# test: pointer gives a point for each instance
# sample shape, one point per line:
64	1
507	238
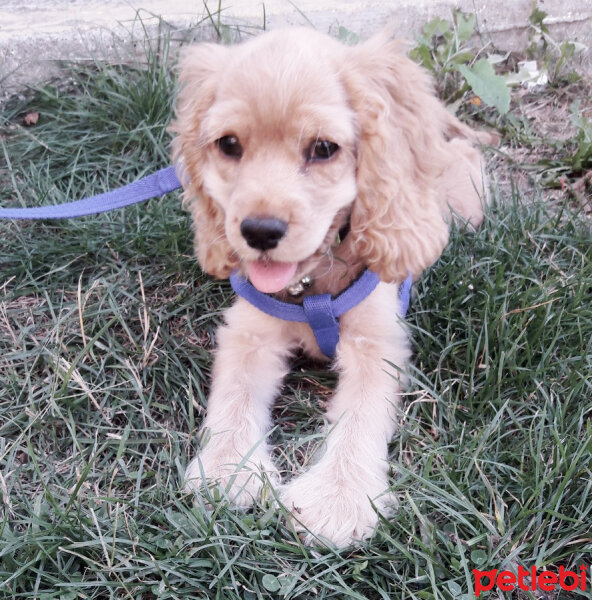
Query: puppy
307	164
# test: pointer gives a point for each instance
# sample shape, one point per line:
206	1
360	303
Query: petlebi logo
532	579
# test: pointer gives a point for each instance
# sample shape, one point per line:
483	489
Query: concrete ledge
36	36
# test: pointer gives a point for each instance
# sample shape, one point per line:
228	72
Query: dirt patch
548	144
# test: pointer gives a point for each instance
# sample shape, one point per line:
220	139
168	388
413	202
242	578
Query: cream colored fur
404	162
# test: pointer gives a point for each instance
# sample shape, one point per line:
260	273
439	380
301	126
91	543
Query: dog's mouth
273	276
270	276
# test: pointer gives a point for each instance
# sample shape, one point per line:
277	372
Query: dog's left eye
321	150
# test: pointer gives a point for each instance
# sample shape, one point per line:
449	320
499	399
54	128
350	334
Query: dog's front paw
239	479
333	510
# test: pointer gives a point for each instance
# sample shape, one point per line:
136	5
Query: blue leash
320	311
157	184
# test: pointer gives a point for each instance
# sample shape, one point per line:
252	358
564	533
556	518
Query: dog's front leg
251	361
334	499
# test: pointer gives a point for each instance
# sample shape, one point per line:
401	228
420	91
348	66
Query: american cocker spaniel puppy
309	166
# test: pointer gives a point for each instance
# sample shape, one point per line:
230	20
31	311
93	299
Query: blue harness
321	312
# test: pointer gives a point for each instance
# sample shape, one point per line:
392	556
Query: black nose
263	233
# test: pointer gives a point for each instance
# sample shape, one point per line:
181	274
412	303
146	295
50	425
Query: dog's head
285	139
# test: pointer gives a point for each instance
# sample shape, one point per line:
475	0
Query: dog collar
320	311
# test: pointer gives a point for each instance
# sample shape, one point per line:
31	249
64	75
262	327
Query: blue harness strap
319	314
321	311
153	185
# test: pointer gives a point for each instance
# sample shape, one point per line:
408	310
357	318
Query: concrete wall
36	35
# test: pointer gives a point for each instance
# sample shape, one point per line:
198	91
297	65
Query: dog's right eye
230	146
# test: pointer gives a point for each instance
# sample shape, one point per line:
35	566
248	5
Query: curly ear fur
398	223
199	68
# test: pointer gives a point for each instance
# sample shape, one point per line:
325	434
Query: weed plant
106	337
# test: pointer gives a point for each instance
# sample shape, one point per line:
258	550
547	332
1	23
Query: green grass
106	335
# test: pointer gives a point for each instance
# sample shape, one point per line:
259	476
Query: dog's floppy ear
396	222
200	68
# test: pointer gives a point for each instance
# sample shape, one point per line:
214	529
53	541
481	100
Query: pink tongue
270	277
